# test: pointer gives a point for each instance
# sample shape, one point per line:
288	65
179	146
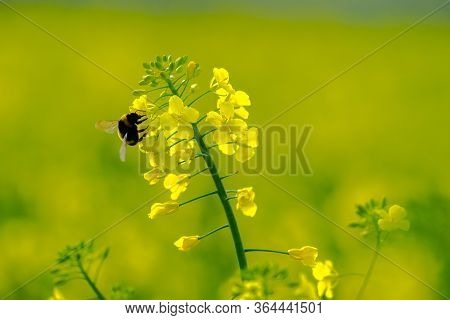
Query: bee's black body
127	125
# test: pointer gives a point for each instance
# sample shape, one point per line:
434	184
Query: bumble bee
128	130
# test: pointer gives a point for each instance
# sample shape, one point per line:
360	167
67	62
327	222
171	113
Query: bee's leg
142	119
142	130
142	137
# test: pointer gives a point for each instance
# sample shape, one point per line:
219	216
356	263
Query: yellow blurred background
380	130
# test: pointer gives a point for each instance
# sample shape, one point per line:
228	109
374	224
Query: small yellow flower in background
326	276
56	295
177	184
154	175
394	219
251	290
246	201
179	116
306	289
307	255
162	209
186	243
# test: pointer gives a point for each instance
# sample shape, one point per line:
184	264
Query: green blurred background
381	130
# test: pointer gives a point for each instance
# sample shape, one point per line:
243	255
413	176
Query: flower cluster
233	136
376	217
173	135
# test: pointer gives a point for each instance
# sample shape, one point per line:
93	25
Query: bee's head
133	117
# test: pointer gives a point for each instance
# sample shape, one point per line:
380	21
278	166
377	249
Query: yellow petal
307	255
153	176
252	137
243	153
322	270
321	288
237	125
245	201
227	149
397	213
221	75
186	243
226	109
162	209
214	118
241	99
170	180
241	112
168	123
190	115
176	105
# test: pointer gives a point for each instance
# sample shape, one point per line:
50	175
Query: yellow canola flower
221	79
56	295
182	151
235	101
155	148
162	209
394	219
307	255
246	201
140	104
326	276
178	118
246	145
154	175
186	243
177	184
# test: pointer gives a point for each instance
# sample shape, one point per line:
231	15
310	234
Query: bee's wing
106	126
123	148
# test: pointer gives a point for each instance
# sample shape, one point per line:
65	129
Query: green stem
172	87
196	198
238	246
267	250
212	231
370	270
89	281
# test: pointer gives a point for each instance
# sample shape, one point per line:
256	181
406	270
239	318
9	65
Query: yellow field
380	130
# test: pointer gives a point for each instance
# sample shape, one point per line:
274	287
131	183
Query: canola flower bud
163	209
186	243
191	69
307	255
193	88
246	201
